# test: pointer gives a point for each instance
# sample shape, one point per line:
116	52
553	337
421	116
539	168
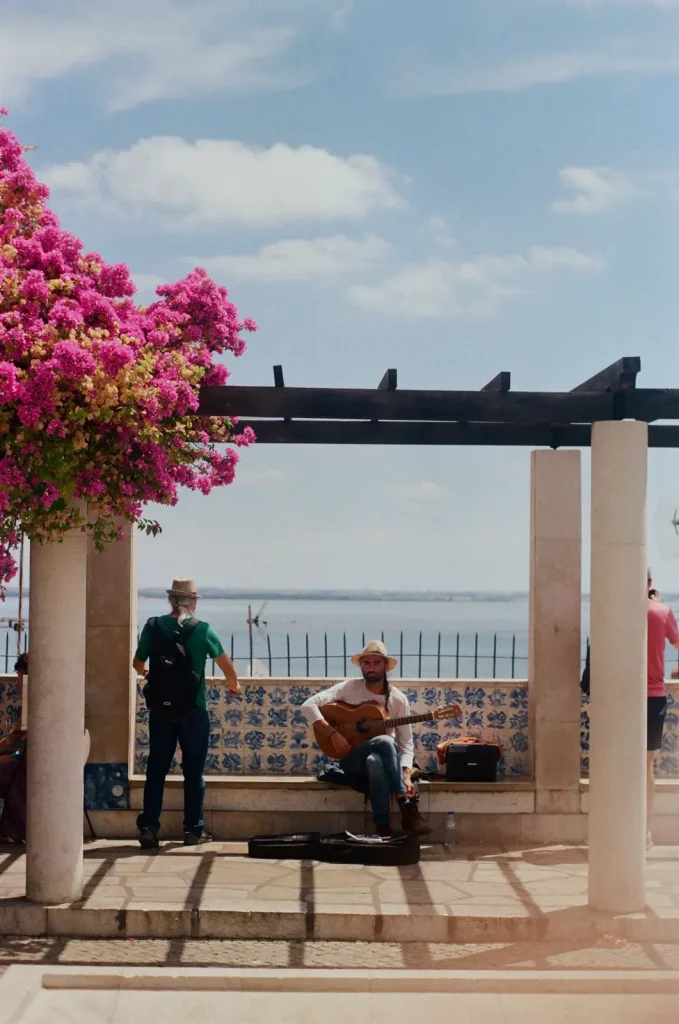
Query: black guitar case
339	848
347	848
300	846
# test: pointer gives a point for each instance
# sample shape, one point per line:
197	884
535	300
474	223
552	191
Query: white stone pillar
617	757
554	629
58	580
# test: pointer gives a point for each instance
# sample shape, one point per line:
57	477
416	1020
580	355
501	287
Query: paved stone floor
606	954
96	995
531	881
450	896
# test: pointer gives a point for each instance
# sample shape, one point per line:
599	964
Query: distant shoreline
219	594
433	596
459	597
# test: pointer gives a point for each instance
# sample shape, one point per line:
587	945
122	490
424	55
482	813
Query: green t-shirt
203	643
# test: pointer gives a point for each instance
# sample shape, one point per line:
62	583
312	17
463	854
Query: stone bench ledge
299	782
287	793
666	797
661	785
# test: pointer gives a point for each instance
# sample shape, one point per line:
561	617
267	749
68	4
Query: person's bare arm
139	667
229	670
324	730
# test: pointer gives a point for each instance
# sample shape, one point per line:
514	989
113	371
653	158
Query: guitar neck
393	723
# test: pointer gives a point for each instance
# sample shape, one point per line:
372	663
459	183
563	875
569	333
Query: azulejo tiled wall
265	730
10	704
667	763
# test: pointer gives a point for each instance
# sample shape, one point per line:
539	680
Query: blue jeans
376	763
192	732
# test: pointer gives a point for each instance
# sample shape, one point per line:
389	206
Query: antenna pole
250	634
21	594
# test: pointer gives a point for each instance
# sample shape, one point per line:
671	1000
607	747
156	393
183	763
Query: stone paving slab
463	895
606	954
32	995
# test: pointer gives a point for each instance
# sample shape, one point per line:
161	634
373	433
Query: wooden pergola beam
619	376
502	382
389	381
473	434
466	406
278	380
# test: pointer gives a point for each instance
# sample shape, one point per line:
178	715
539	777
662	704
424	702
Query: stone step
459	895
115	995
283	921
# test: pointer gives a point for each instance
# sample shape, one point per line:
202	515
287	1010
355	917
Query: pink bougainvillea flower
98	396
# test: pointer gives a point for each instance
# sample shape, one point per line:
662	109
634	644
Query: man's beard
374	677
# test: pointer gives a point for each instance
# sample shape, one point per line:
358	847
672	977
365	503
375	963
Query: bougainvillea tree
98	395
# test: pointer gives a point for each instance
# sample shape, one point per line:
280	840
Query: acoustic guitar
360	722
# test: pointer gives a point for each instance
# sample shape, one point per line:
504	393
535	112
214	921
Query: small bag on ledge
469	759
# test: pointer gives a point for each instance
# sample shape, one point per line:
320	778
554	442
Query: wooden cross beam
380	404
389	381
619	376
502	382
474	434
520	407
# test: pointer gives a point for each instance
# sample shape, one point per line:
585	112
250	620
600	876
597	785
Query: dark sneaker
383	830
148	840
413	821
197	838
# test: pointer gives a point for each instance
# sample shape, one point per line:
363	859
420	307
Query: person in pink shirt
662	628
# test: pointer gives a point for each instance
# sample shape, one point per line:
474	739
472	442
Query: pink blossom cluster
99	396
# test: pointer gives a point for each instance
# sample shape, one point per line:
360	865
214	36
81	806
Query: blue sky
452	189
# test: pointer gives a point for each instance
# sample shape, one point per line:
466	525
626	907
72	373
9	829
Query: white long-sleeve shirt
354	691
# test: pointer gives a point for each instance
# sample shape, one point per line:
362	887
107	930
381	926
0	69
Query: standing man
662	627
381	765
178	646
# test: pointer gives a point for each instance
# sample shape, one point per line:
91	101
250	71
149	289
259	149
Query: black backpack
172	685
584	682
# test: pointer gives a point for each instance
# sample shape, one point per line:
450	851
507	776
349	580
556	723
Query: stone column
554	629
111	638
617	759
54	865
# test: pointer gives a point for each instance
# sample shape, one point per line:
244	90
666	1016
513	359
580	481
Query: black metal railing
422	655
10	648
428	656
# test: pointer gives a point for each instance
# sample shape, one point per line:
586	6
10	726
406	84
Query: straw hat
183	588
375	647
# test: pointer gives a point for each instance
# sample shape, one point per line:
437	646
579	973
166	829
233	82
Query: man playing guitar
381	764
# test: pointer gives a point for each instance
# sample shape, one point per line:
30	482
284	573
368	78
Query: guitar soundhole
362	726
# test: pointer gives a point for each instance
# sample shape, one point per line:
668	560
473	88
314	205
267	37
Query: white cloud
340	16
650	57
439	231
158	49
210	182
467	288
596	188
147	283
427	490
301	259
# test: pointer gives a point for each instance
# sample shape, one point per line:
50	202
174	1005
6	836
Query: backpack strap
189	625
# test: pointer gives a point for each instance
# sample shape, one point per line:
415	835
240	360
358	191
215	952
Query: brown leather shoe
412	820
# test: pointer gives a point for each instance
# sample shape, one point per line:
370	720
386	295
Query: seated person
381	766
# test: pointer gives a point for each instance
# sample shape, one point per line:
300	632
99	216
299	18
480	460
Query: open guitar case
338	848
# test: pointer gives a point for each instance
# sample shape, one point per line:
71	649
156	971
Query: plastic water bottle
450	829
